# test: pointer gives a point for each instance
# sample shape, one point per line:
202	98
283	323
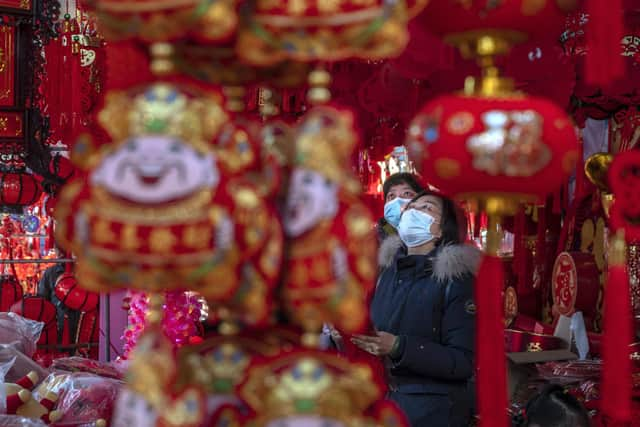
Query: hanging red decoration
18	189
163	20
518	146
72	295
624	179
318	30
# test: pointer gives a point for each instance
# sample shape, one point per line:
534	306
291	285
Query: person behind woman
398	189
424	314
553	407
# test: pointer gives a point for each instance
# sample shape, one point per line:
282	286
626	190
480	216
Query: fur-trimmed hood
450	261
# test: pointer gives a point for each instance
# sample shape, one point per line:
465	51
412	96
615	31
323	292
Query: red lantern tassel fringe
616	374
604	33
490	358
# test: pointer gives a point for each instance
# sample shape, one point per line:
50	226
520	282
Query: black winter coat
427	300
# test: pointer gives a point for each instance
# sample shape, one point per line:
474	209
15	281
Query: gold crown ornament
149	21
164	109
310	384
325	140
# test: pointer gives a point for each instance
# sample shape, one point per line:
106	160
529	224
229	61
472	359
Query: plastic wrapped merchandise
84	398
21	332
17	421
21	363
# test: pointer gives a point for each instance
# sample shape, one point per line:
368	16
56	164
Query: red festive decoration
328	31
331	264
575	286
299	387
516	146
164	20
624	178
18	189
616	372
72	296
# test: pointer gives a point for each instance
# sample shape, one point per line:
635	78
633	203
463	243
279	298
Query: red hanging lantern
10	291
73	296
18	189
520	147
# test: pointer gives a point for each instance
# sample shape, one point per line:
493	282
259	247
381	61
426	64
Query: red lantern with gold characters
514	145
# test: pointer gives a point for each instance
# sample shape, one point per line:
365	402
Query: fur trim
453	261
388	250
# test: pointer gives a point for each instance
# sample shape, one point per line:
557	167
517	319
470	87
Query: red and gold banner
24	5
7	64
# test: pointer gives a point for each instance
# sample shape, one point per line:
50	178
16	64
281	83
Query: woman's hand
379	345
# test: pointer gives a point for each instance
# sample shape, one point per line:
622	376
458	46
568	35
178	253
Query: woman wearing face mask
423	313
398	190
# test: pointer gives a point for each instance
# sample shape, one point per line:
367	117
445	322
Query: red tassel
616	373
604	33
490	359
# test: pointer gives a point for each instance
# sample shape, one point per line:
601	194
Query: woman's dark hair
453	223
554	407
401	178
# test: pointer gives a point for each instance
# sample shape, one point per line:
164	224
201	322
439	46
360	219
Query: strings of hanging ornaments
600	99
213	233
495	148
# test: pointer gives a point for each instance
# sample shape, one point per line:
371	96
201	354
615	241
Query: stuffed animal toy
19	400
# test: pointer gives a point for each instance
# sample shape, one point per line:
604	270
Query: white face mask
393	210
415	228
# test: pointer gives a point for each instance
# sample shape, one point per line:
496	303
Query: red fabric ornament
616	375
321	31
492	380
331	264
157	21
604	32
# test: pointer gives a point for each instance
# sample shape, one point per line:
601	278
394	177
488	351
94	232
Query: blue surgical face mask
393	210
414	228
